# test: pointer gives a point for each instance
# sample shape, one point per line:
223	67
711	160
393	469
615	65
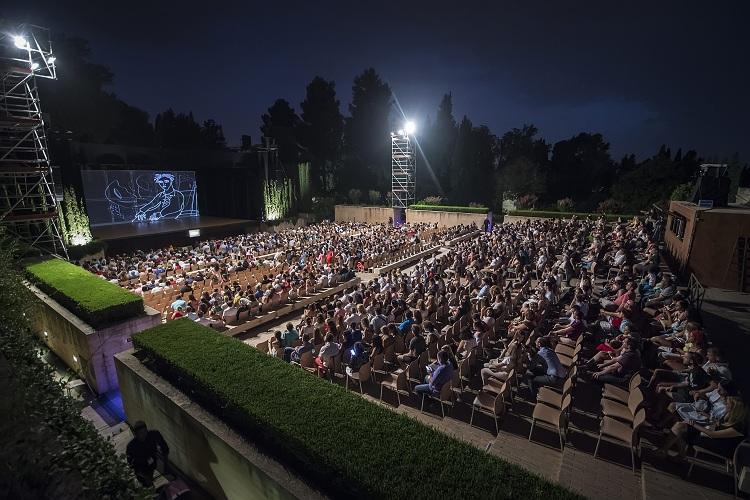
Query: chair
730	463
566	350
611	391
413	373
432	351
489	404
622	433
502	389
445	397
624	412
396	382
464	371
556	417
307	362
378	366
551	397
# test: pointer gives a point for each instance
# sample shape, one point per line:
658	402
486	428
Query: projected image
139	195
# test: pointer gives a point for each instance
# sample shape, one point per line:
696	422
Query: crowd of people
527	296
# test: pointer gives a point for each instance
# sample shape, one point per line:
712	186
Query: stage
147	235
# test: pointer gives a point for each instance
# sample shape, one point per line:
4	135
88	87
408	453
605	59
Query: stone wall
377	215
201	446
88	352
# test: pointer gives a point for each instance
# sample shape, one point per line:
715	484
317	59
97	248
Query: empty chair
552	397
378	366
396	382
620	411
566	350
621	432
490	404
556	417
611	391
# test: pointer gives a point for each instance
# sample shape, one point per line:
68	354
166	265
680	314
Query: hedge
338	441
80	251
449	208
94	300
47	449
552	214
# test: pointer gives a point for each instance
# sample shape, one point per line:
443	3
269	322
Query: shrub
374	196
610	205
94	300
565	204
474	204
80	251
47	450
527	201
682	192
355	195
449	208
432	200
563	215
322	431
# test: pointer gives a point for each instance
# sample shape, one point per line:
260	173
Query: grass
340	442
449	208
553	214
94	300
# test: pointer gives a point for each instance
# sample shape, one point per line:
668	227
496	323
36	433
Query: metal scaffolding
28	202
403	170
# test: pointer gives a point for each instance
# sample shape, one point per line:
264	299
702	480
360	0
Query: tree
177	130
79	102
580	167
439	141
366	132
280	123
472	165
320	131
523	161
212	135
522	143
522	176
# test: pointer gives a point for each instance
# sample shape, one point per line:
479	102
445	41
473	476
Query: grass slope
347	445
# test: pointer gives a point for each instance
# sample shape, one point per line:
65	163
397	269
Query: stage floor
141	229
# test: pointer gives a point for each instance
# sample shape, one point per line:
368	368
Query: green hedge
449	208
90	248
94	300
562	215
47	450
337	440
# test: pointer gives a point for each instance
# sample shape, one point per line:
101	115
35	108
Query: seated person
544	367
569	334
330	350
510	357
295	353
437	377
417	345
618	370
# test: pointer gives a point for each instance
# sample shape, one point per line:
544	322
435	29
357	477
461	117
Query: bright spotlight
400	131
410	127
51	59
34	65
20	42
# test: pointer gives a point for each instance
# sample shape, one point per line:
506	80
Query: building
711	243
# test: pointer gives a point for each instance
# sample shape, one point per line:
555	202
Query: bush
527	201
80	251
355	195
94	300
432	200
336	439
549	214
565	204
47	450
610	206
449	208
374	196
682	192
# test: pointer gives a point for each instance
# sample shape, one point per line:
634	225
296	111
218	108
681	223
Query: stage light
75	358
20	42
51	60
410	127
34	66
400	131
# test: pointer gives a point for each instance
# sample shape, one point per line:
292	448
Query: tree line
459	162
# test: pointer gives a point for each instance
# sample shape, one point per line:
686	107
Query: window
677	225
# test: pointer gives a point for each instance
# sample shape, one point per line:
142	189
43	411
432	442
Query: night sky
641	73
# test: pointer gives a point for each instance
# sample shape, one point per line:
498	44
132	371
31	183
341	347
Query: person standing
146	452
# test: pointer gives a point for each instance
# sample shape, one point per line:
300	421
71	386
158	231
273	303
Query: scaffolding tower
28	202
403	174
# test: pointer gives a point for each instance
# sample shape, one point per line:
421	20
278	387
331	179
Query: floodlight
20	42
410	127
34	65
400	131
51	60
